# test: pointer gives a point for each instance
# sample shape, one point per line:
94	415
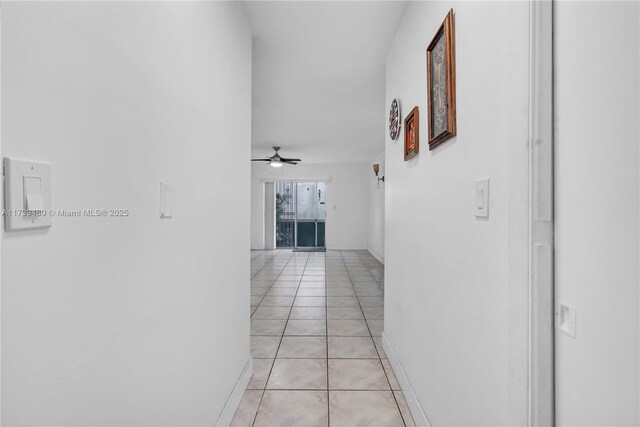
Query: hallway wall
125	321
597	211
375	242
347	200
456	285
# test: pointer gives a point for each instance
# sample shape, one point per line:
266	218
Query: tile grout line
252	312
374	344
271	286
321	389
353	270
275	356
326	333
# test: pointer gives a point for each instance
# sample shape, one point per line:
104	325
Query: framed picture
394	119
441	84
411	132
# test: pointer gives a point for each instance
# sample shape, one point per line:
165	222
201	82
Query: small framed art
411	131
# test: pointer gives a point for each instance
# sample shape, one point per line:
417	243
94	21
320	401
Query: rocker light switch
27	194
33	193
34	202
566	319
482	198
165	201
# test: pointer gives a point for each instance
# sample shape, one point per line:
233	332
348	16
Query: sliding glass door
300	214
285	214
311	214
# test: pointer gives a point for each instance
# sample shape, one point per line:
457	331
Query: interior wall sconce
376	170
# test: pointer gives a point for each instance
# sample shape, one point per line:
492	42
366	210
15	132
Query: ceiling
319	77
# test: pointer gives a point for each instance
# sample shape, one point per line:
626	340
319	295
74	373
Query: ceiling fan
276	161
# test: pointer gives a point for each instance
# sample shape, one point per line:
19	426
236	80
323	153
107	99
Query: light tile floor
316	322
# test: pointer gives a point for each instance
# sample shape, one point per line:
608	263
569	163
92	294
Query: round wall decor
394	119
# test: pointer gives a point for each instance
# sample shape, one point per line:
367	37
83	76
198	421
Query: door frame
325	180
541	365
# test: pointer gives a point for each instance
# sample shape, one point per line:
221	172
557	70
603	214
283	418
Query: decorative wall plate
394	119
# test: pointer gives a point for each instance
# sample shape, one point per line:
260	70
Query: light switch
165	195
35	202
32	184
32	187
27	194
566	319
482	198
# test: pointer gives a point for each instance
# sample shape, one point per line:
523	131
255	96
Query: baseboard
419	416
230	408
346	248
331	248
376	255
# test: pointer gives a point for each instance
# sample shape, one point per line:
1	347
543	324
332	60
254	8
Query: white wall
597	210
127	321
347	200
375	242
456	286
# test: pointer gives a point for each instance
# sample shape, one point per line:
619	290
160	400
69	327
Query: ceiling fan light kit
276	161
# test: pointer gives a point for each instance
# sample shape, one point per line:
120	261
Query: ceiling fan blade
290	160
260	160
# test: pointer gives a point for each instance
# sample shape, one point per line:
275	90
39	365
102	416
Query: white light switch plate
566	319
27	194
482	198
165	200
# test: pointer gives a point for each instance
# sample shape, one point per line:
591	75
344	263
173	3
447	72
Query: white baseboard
331	248
230	408
419	416
346	248
376	255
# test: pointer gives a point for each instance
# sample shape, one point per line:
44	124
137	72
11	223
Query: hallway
320	317
473	168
